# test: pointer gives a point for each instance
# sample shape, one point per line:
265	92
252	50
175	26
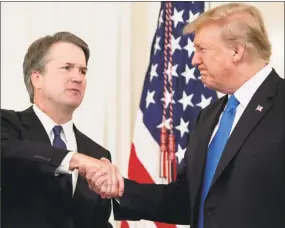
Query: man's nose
196	60
77	76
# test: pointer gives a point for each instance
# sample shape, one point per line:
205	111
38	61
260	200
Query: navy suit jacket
248	188
32	196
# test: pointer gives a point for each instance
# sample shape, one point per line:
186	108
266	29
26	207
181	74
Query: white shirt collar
247	90
48	124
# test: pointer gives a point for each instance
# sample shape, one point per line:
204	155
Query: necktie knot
57	141
232	103
57	130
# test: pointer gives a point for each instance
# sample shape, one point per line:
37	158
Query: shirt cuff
117	199
64	166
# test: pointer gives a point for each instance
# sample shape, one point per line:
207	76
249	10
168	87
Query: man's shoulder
10	114
13	115
281	92
282	83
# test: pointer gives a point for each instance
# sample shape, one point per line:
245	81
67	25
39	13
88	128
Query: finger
92	179
107	190
103	189
90	171
99	182
94	172
110	179
82	171
96	182
121	184
105	160
114	186
92	188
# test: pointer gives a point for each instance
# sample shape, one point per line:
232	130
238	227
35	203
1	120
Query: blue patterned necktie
215	151
66	180
57	141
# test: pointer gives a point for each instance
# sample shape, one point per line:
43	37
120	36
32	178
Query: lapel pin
259	108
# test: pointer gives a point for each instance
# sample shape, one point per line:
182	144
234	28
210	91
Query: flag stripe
140	175
144	146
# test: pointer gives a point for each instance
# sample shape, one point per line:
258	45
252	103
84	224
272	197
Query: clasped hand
103	177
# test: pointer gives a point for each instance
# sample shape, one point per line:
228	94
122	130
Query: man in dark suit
42	148
234	174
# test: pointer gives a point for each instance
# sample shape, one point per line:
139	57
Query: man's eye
199	49
83	72
67	67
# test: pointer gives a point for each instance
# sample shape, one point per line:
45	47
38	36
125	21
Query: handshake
102	176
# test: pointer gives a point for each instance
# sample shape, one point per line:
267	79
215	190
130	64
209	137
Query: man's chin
207	82
204	80
73	104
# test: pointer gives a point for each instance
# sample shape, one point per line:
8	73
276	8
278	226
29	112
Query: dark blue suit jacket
248	188
32	196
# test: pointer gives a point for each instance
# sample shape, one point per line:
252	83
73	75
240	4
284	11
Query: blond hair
240	24
35	58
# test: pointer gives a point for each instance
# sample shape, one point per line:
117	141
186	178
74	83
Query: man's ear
36	79
238	52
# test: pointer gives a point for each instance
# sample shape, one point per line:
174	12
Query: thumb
105	160
82	170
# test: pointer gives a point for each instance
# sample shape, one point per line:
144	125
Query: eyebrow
73	64
197	44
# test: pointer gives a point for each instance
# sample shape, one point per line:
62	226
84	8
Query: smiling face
63	82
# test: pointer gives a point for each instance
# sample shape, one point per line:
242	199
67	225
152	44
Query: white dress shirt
244	95
68	136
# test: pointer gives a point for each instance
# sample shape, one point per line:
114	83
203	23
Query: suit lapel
82	147
199	150
35	129
248	121
79	140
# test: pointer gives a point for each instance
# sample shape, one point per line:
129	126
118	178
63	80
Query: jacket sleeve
163	203
19	154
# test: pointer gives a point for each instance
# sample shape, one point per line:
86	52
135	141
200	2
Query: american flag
172	96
